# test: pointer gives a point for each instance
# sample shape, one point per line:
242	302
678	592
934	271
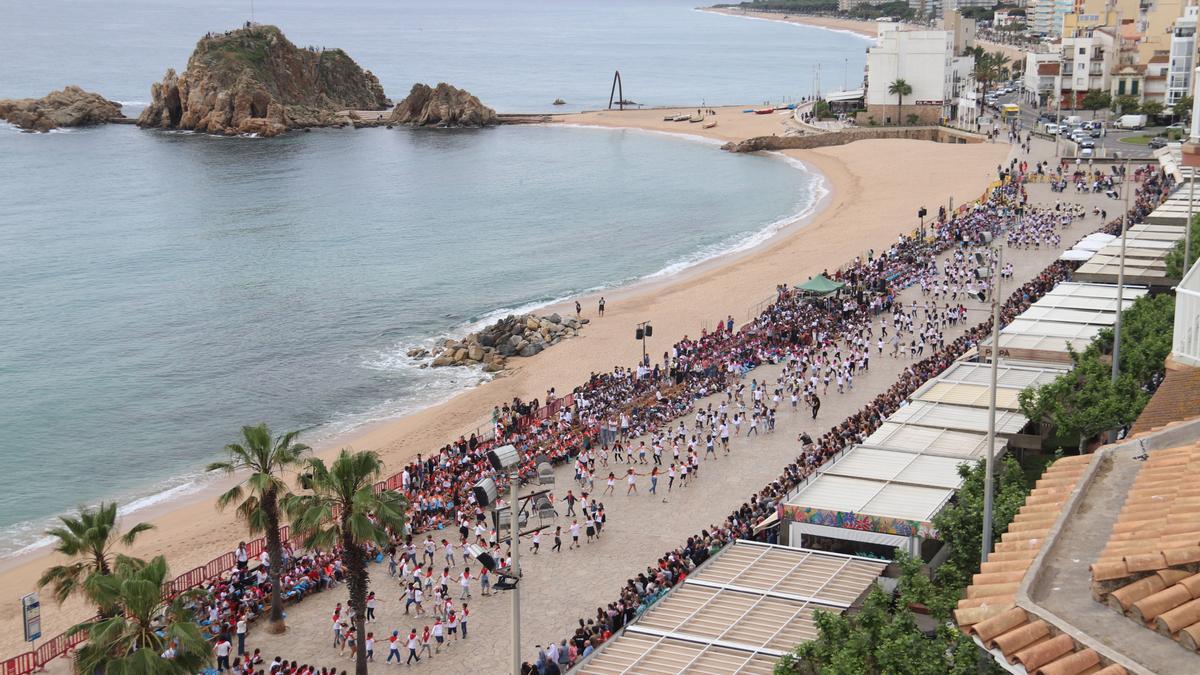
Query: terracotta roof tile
1175	400
1148	569
989	611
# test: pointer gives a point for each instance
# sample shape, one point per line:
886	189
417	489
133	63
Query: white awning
893	540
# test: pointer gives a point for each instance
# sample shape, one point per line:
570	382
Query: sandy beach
865	28
872	199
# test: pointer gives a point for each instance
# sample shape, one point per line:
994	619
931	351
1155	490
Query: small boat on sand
709	124
695	118
682	118
669	118
764	111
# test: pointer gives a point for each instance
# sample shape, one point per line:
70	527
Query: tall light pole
507	459
1116	355
514	478
990	449
1187	227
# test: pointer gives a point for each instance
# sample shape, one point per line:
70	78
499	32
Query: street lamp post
507	459
514	478
1187	228
1116	355
990	448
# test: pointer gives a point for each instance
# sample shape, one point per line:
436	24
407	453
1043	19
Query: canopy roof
737	613
866	497
928	440
958	417
821	285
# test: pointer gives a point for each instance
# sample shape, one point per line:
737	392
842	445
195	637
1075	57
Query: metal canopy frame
735	575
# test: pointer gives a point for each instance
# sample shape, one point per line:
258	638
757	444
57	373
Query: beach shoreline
678	305
865	29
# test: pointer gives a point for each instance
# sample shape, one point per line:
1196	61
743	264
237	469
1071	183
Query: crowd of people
641	592
818	341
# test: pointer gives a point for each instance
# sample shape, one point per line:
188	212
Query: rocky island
514	335
255	81
443	106
71	107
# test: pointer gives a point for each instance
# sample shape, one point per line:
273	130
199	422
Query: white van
1051	128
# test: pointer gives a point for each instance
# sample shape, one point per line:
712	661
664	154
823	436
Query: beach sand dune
876	188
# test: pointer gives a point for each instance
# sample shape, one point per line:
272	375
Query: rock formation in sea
514	335
253	80
444	106
71	107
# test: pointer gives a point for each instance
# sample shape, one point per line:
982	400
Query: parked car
1157	142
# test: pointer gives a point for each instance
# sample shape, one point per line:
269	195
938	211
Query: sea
160	289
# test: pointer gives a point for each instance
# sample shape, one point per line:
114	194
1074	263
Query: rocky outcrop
71	107
254	81
445	106
513	336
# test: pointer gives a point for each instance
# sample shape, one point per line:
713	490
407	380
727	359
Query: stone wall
821	140
886	114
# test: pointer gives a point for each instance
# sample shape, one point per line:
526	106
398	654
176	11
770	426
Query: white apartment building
1040	78
1087	60
1045	17
922	58
1183	56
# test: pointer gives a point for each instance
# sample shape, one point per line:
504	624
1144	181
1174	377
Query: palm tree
342	508
259	495
900	89
134	640
88	539
989	66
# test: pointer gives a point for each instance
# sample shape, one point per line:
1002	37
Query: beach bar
738	612
1070	315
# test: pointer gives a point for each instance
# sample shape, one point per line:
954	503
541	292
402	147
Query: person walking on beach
578	309
602	305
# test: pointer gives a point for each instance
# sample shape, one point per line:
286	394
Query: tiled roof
989	610
1175	400
1148	570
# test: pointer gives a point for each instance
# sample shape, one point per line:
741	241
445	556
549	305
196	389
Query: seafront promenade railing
36	659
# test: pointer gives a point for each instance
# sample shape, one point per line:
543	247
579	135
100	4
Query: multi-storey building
1182	57
925	60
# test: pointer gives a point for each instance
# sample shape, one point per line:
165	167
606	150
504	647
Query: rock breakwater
516	335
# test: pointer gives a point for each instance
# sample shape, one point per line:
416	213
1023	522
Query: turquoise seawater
162	289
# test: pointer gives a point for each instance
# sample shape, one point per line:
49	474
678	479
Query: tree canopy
1086	401
1095	100
1175	263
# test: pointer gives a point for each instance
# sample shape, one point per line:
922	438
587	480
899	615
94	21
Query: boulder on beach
522	335
444	106
71	107
254	81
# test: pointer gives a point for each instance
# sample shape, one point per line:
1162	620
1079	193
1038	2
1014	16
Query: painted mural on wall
857	521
